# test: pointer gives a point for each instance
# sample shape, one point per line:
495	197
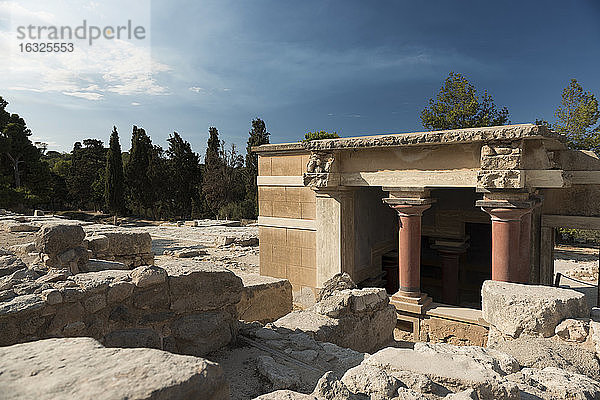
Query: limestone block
264	299
219	286
515	309
279	375
202	333
147	276
20	227
361	319
52	296
540	353
455	372
56	239
556	384
90	371
501	179
130	338
573	330
339	281
9	263
189	253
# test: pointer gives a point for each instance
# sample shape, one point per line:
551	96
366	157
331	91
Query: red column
409	249
507	262
450	263
525	249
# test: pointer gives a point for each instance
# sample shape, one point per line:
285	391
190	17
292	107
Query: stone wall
187	308
130	248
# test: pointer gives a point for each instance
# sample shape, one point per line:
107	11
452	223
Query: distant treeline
149	181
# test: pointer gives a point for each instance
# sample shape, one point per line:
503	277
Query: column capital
409	210
506	214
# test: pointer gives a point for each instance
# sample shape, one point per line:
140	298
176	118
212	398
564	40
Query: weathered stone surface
339	281
56	239
455	372
361	319
541	353
189	253
20	227
219	286
9	263
146	276
94	265
280	376
22	304
556	384
264	299
52	296
514	309
199	334
133	338
129	248
573	330
90	371
440	330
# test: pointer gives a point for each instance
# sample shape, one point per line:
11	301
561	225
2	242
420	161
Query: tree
139	185
213	190
86	174
457	105
575	117
24	176
184	167
318	135
258	136
114	189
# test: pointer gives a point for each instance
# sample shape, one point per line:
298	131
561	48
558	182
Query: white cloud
85	95
13	10
135	103
197	89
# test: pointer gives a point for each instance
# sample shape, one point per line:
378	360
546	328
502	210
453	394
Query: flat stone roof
454	136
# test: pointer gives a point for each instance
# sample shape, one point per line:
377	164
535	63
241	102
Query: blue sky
355	67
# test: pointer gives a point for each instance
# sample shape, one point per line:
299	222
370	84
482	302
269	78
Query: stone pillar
410	209
450	252
525	247
509	239
335	232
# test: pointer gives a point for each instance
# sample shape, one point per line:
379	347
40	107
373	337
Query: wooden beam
546	256
570	221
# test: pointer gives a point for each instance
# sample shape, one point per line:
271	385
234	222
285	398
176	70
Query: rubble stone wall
130	248
182	308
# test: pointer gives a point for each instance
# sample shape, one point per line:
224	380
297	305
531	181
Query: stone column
450	252
525	249
509	242
335	232
410	209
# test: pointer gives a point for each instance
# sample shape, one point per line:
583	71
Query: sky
354	67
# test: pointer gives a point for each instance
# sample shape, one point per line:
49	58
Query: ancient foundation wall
182	308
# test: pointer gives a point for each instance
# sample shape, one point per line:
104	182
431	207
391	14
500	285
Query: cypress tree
258	136
212	180
114	188
139	183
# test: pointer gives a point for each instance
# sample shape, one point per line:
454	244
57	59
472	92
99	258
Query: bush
319	135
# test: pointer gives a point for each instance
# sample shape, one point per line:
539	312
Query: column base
408	302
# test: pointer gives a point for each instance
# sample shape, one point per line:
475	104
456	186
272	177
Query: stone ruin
149	326
132	249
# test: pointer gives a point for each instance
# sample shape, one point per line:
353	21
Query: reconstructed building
429	215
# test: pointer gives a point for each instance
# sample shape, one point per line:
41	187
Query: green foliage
457	105
138	182
258	136
213	189
114	188
318	135
25	177
86	175
185	176
576	116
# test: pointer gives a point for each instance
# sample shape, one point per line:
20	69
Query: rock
497	361
247	242
371	381
515	309
219	286
74	328
286	395
468	394
452	372
131	338
280	376
21	304
90	371
38	213
52	296
264	299
56	239
200	334
24	248
573	330
148	275
339	281
94	265
595	335
556	384
9	263
328	387
119	291
361	319
541	353
189	253
20	227
221	241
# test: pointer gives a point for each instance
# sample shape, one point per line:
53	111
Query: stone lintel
505	203
393	201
